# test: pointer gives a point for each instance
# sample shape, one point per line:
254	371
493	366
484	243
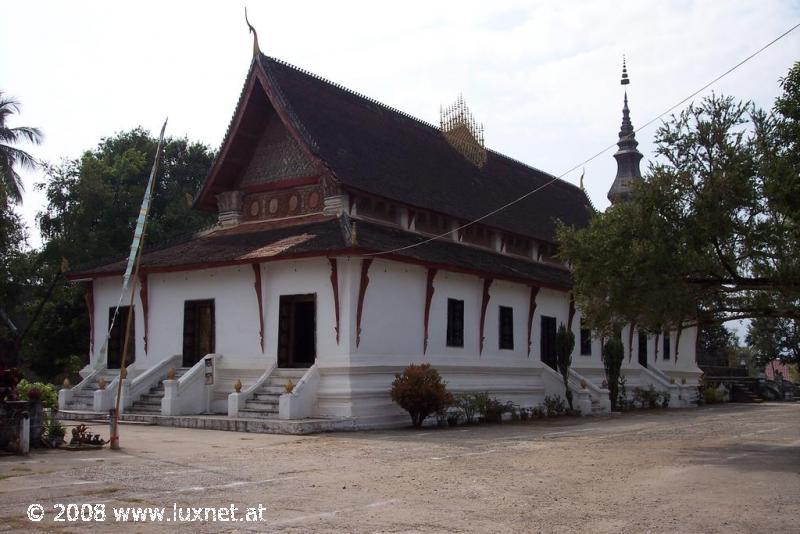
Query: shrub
554	405
712	395
466	404
665	396
565	343
420	390
46	393
647	398
613	354
494	410
53	429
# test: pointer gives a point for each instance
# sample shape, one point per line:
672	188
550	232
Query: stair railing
302	400
65	394
189	394
132	390
237	401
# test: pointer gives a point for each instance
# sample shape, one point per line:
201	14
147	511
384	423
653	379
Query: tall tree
715	345
771	338
10	155
712	232
90	216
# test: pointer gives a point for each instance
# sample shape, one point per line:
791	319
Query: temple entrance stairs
150	402
83	397
265	400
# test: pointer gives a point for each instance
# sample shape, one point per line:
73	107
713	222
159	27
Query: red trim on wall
89	298
259	299
531	311
362	290
428	299
487	283
143	298
335	287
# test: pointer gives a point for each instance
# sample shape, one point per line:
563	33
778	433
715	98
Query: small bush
554	406
46	393
420	390
712	395
495	409
647	398
53	429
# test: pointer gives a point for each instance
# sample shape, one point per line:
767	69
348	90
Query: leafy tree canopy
92	204
713	231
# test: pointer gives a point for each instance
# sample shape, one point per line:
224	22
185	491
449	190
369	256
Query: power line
598	154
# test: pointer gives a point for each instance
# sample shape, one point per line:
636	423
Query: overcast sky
543	77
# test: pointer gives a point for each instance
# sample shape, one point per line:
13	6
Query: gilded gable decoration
463	132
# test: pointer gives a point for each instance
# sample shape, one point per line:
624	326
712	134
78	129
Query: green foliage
47	393
92	205
554	406
712	232
53	429
420	391
11	156
715	344
469	405
771	338
712	395
494	410
647	398
565	344
613	354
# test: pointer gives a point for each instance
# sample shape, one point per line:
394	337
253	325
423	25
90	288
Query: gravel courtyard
732	468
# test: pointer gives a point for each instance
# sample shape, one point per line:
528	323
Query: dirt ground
732	468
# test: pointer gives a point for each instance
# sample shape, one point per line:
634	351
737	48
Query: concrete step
287	373
151	397
144	409
261	405
265	396
258	414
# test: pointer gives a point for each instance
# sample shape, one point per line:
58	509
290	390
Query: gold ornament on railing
171	373
237	386
66	384
289	387
101	384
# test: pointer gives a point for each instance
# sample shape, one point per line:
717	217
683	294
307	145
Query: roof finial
256	49
625	80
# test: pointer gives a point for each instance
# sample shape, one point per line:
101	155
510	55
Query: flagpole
137	253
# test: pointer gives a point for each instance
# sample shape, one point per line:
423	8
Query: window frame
505	328
455	331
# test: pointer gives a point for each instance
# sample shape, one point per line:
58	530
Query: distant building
323	270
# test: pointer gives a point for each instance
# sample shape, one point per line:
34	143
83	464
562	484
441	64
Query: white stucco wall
354	381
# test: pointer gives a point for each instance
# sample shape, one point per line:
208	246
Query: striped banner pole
132	272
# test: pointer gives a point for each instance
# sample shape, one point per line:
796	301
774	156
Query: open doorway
297	331
116	340
198	330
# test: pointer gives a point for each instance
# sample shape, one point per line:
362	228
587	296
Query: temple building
346	248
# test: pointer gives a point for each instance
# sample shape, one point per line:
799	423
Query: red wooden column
531	311
362	291
260	300
427	312
89	297
487	283
145	307
335	287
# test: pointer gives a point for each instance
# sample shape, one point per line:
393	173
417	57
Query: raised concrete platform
241	424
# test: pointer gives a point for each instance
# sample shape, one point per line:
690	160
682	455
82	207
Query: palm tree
11	156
